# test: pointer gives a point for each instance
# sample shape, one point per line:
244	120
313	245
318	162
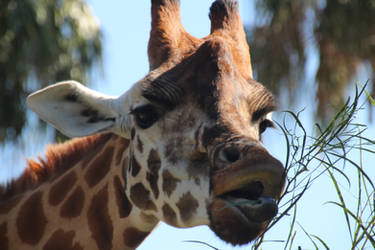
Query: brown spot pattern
135	166
3	236
141	197
133	237
59	190
100	223
123	203
123	145
154	164
169	182
61	240
139	145
169	215
73	206
99	167
31	220
187	205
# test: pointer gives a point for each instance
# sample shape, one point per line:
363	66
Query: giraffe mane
58	159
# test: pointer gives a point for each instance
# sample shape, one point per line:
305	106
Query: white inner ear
76	110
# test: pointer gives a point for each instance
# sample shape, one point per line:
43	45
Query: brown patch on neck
59	190
3	236
58	159
73	206
133	237
124	143
169	182
62	240
100	223
187	205
141	197
31	221
123	203
169	215
99	167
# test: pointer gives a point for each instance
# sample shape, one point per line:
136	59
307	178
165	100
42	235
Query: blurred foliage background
41	42
44	41
343	36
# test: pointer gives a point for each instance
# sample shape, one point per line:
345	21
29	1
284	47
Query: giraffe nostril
231	154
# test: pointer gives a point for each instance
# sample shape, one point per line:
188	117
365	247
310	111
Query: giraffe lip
238	220
254	210
250	201
241	177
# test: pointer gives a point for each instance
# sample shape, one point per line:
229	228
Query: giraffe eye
263	125
145	116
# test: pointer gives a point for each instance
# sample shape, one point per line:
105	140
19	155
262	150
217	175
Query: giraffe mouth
249	201
241	215
239	220
245	199
254	208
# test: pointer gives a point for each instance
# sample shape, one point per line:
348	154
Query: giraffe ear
76	110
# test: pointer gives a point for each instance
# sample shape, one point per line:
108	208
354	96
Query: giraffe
182	145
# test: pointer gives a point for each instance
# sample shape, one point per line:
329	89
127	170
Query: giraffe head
194	124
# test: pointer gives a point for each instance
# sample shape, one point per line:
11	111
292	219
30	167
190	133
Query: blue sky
126	26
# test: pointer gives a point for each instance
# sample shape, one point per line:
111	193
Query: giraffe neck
79	206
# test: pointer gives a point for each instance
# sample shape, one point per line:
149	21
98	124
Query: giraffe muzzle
254	170
246	189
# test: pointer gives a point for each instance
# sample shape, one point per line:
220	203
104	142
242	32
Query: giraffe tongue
259	210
